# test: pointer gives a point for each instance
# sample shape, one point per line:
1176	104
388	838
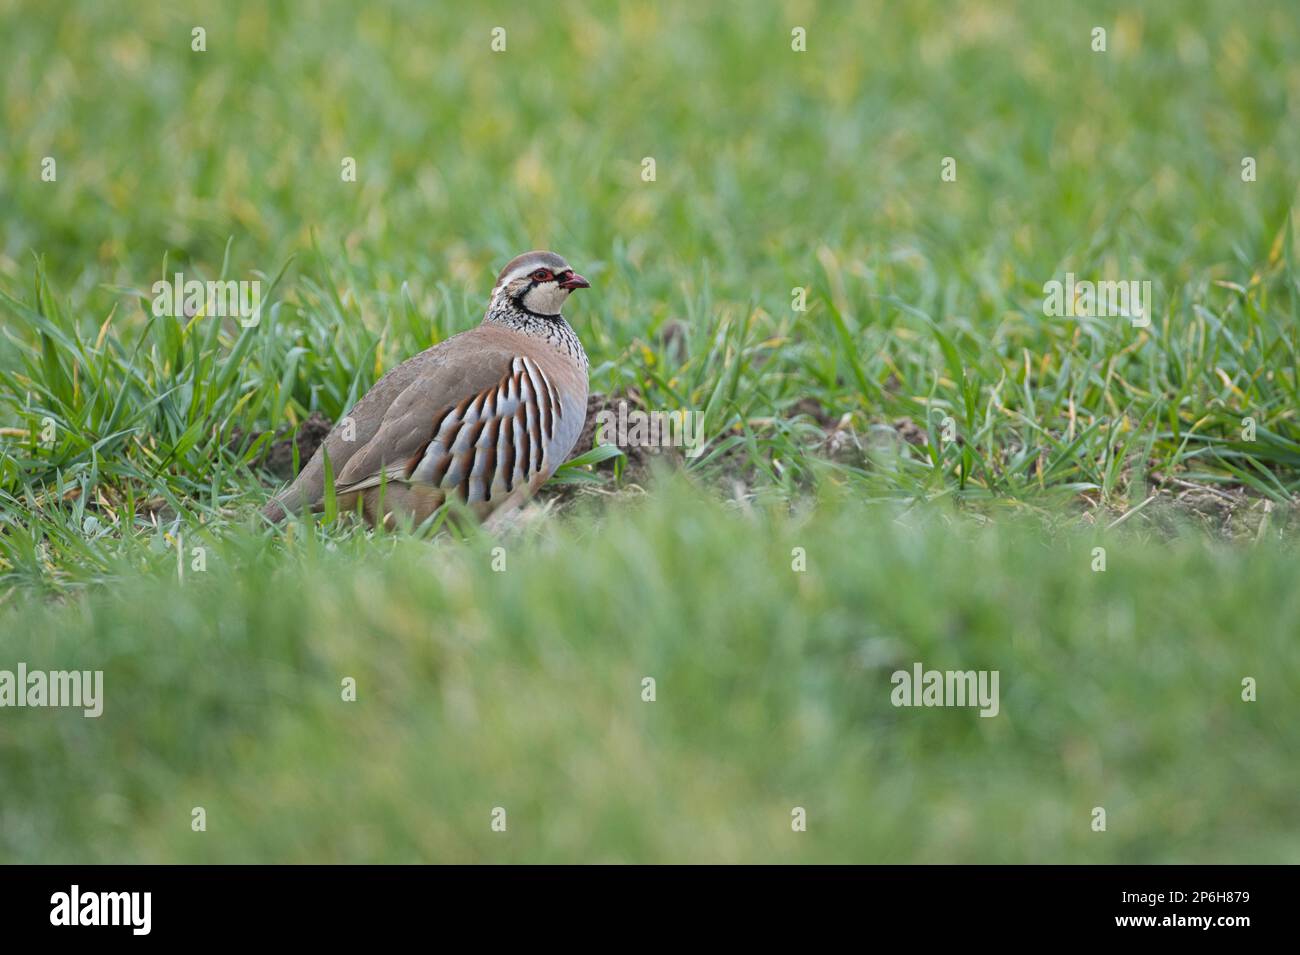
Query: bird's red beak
572	280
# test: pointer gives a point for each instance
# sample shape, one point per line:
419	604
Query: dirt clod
278	455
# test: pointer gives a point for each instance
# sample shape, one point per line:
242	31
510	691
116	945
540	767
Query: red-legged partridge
487	415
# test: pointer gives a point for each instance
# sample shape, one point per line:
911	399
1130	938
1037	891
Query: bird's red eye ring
542	275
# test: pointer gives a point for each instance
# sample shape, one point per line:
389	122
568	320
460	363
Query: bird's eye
542	275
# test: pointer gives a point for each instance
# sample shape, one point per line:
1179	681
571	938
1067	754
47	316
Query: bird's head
538	282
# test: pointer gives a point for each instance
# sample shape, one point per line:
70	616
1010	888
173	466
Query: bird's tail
278	507
306	490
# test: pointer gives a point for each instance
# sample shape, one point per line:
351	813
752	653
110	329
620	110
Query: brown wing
481	447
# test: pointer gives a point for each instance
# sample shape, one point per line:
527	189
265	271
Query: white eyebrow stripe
522	270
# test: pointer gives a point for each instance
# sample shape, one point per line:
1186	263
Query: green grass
522	689
775	170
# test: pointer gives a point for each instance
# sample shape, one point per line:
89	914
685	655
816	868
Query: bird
485	416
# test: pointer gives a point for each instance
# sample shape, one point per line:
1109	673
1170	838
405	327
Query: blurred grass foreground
524	689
